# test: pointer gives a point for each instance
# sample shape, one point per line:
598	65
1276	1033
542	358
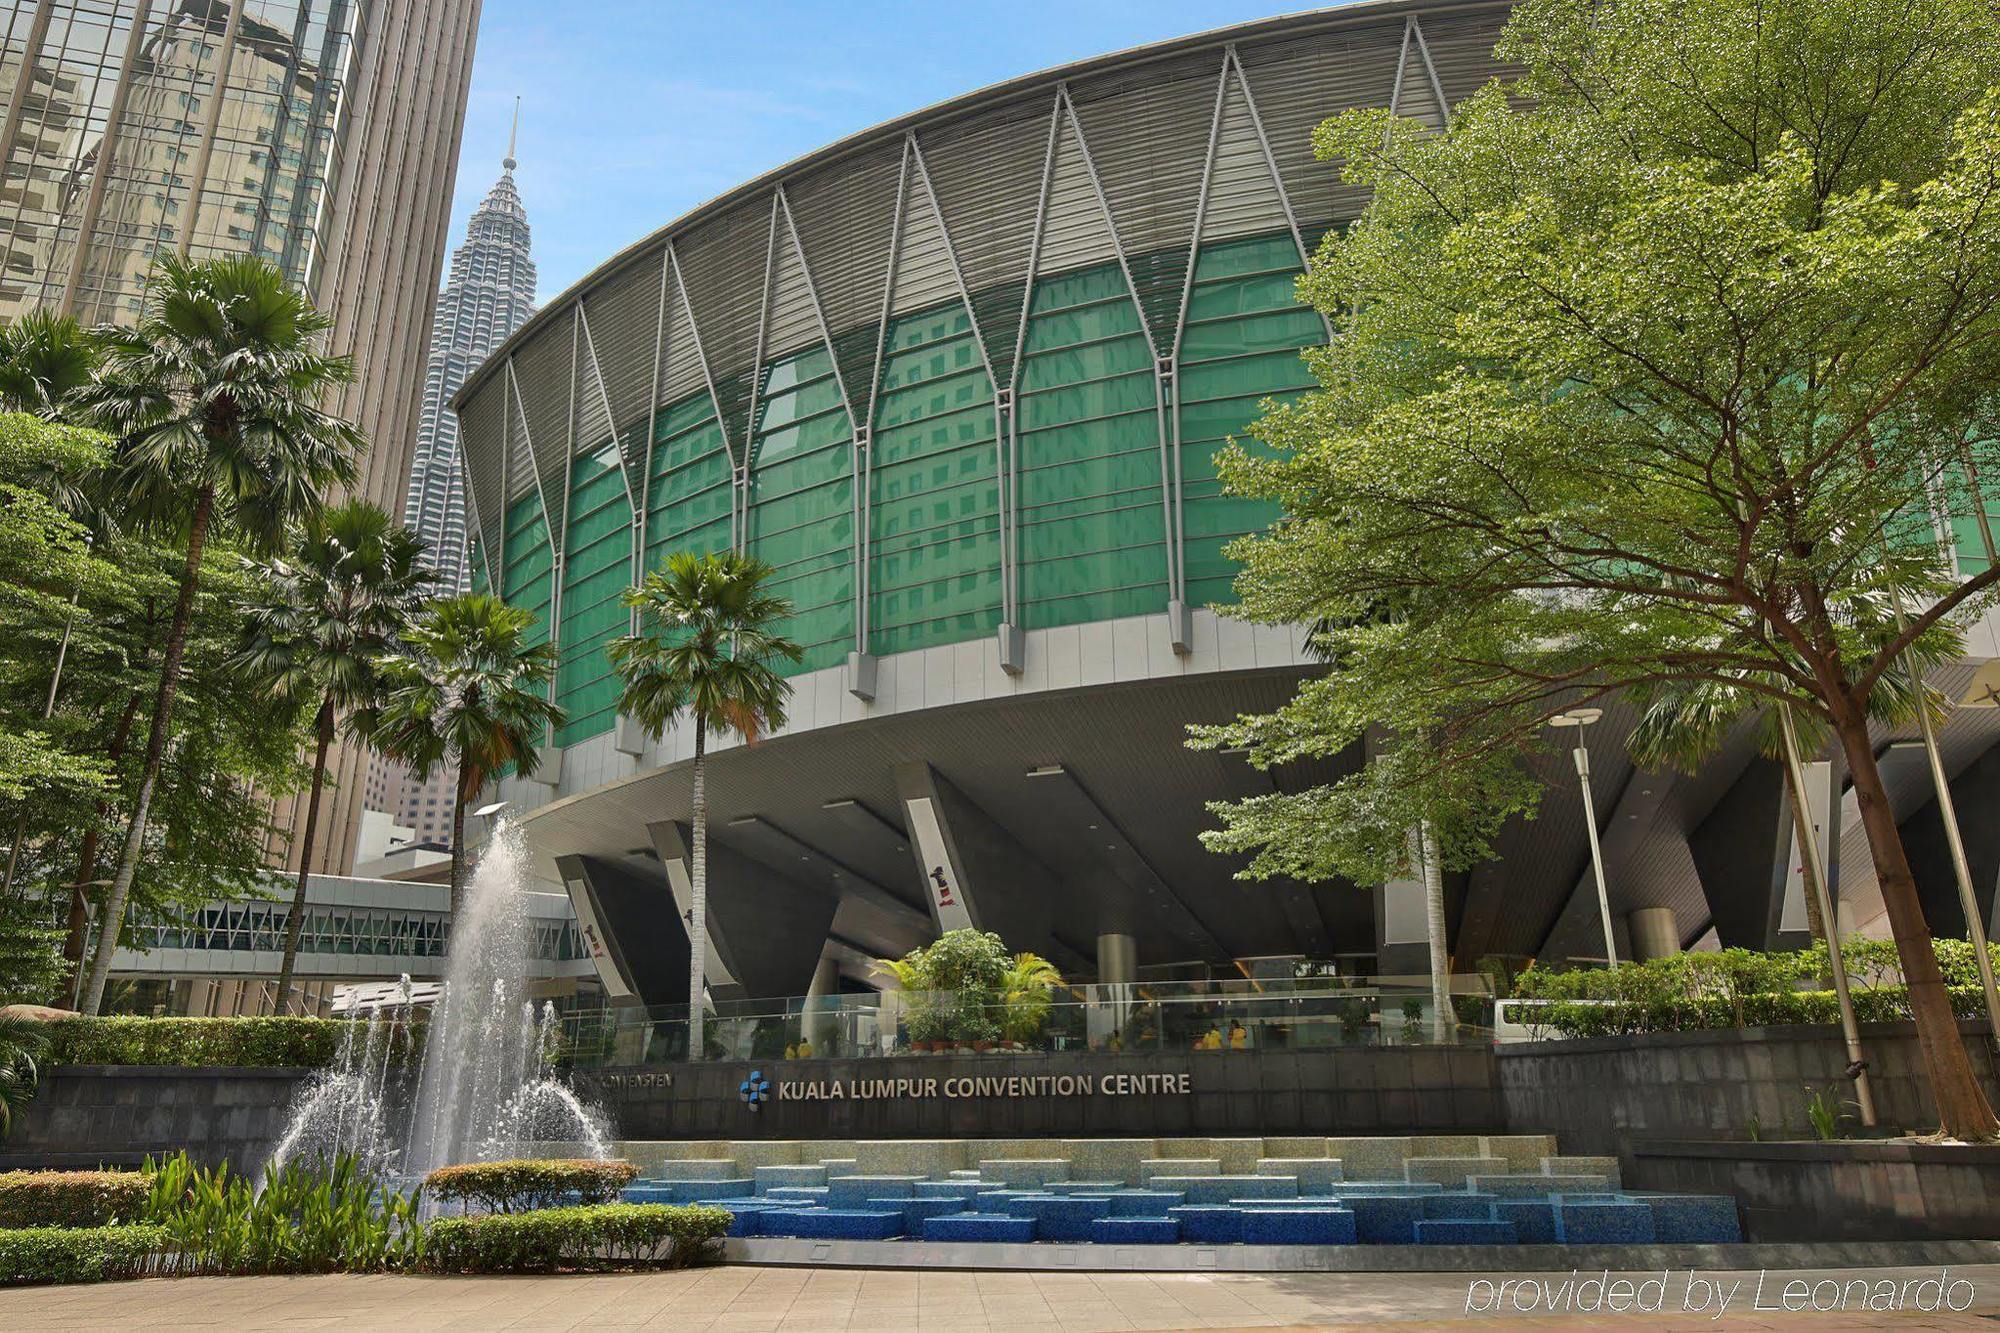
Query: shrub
1621	1018
530	1183
612	1235
80	1254
324	1218
71	1198
243	1042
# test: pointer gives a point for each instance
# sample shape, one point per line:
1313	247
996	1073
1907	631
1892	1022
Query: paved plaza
745	1297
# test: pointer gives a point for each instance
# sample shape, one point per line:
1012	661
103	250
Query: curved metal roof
1358	12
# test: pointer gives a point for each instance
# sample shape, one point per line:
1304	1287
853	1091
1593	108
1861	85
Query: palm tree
45	361
1429	864
469	689
706	647
213	399
326	616
1025	996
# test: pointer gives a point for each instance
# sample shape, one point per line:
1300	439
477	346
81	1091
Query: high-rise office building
321	135
491	292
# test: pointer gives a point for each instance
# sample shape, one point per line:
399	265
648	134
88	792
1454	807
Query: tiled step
1144	1203
1460	1231
701	1191
961	1190
695	1169
1225	1189
833	1223
1370	1158
1621	1223
800	1195
768	1177
1209	1224
1534	1219
1061	1217
1693	1219
845	1191
1536	1187
997	1201
1298	1226
1313	1173
1084	1186
1582	1166
1178	1166
1022	1171
1452	1172
979	1226
1459	1206
1521	1152
1135	1231
1386	1219
916	1211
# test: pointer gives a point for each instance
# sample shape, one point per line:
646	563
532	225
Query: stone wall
115	1115
1602	1094
1836	1191
1373	1090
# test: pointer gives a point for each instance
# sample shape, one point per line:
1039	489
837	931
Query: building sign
977	1087
631	1082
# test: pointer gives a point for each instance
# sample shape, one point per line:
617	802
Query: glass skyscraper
491	292
320	135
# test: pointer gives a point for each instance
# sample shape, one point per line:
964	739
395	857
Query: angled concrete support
765	926
979	874
1749	865
1975	791
636	940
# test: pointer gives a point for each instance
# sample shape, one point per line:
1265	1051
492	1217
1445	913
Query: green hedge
79	1254
71	1198
243	1042
611	1235
1624	1018
515	1186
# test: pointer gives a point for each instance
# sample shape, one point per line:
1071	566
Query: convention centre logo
755	1090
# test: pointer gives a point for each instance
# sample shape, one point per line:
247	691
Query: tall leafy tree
468	689
1651	372
46	360
708	646
214	398
326	616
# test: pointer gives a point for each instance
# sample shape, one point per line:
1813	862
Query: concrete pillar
1654	933
820	1023
1117	959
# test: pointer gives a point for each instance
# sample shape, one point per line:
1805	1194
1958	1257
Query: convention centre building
961	379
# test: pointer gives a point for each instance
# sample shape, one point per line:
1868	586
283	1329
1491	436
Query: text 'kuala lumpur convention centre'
960	379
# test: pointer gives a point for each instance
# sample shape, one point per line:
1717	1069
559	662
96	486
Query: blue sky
633	113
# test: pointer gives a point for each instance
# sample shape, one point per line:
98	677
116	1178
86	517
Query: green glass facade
525	578
1239	347
801	504
1091	518
597	568
1091	515
934	504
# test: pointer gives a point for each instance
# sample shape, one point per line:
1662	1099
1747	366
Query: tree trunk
1443	1018
698	892
113	920
458	841
86	867
1962	1107
296	922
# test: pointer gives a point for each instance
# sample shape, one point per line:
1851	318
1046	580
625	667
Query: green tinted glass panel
801	517
1965	527
934	548
687	499
476	563
597	568
525	577
1092	529
1240	347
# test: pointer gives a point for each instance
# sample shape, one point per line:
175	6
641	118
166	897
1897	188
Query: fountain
484	1092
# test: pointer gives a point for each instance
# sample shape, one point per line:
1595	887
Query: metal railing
1305	1014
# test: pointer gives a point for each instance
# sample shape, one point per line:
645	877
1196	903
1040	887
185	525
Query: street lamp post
1850	1031
1580	718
